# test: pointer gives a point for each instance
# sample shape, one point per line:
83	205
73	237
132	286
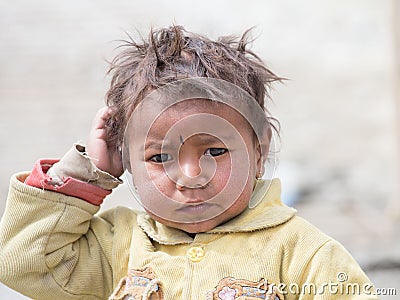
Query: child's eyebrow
201	139
204	139
157	145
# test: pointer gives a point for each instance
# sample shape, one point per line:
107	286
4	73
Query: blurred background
339	110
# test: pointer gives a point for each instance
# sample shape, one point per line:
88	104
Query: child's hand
105	158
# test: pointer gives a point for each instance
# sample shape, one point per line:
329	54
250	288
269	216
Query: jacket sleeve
332	273
51	246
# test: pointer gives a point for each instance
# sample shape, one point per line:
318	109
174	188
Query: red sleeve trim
71	187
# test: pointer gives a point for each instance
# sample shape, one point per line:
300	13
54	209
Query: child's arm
322	267
51	246
96	164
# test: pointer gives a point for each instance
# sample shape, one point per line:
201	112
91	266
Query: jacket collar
269	212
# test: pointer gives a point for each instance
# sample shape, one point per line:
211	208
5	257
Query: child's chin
203	226
197	227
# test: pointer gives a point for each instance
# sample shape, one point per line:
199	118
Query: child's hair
171	54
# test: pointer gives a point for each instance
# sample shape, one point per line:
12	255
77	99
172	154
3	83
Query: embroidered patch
230	288
138	285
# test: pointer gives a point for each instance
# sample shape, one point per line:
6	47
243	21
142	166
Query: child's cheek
158	178
222	174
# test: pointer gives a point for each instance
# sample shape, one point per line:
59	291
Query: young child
186	118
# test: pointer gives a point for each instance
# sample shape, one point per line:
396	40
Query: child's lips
198	207
194	201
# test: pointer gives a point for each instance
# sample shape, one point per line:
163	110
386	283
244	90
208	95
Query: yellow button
195	254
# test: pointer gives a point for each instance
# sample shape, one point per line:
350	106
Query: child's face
197	165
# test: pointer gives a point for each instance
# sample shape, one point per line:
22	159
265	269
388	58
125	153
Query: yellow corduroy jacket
53	246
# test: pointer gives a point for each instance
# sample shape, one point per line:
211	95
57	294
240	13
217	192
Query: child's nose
190	166
193	172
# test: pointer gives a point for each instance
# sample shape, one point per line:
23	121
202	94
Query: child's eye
160	158
215	151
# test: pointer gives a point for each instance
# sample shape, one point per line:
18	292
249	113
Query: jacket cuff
70	186
78	165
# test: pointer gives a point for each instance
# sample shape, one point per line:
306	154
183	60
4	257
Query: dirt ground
338	155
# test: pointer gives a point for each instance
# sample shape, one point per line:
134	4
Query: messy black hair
170	54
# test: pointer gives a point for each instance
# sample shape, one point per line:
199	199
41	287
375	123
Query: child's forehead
198	116
196	107
193	104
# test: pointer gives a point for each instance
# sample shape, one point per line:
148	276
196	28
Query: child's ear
263	143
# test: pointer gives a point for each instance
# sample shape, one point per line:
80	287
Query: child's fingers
101	117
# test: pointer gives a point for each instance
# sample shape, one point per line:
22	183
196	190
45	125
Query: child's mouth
197	208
